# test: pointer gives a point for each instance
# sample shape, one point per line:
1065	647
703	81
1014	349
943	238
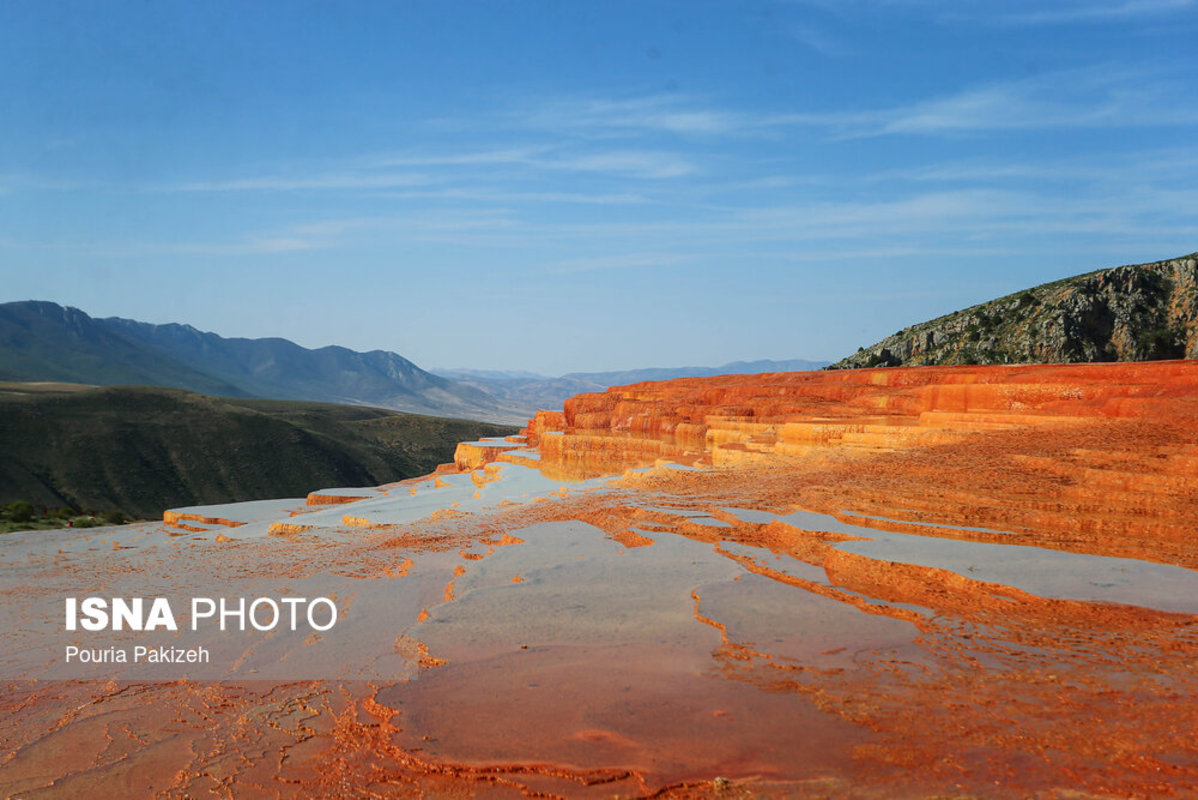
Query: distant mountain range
42	341
530	390
1139	312
45	341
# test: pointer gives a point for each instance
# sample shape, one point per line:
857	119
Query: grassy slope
142	449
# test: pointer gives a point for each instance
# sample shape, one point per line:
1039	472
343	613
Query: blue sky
575	186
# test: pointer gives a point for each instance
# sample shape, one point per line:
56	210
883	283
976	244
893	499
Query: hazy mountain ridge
1138	312
42	341
45	341
622	377
542	392
327	374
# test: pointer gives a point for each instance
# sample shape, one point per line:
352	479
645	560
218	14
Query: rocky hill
1141	312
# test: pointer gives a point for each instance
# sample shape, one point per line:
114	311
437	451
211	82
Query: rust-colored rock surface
472	455
1097	457
897	583
179	519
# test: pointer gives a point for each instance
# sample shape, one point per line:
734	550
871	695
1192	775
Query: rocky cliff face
1142	312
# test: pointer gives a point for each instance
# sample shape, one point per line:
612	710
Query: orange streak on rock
321	499
730	648
174	519
288	529
402	571
416	650
458	572
630	538
473	455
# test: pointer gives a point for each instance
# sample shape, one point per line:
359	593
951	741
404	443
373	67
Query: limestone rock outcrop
1131	313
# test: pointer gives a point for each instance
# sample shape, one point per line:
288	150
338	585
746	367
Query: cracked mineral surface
925	582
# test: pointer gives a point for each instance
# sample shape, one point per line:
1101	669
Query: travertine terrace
911	583
1133	473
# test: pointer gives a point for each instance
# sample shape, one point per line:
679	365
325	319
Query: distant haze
42	341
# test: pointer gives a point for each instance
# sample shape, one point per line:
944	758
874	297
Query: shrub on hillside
19	511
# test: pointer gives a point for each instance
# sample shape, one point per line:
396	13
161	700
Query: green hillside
142	450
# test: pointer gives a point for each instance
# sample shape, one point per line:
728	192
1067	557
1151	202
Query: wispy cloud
972	219
820	40
489	195
629	163
584	132
1124	169
1101	96
637	260
1072	99
985	219
250	245
446	172
1099	12
478	157
1021	12
315	235
1094	97
665	113
21	182
254	246
321	181
623	162
900	217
